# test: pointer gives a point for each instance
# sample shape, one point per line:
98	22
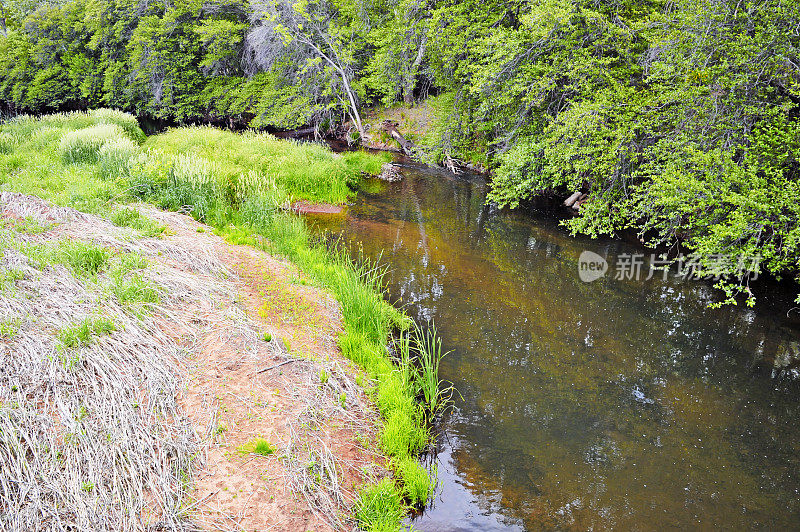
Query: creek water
622	404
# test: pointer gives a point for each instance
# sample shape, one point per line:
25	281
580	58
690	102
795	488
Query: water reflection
623	404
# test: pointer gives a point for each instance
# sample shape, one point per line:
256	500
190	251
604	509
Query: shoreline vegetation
97	161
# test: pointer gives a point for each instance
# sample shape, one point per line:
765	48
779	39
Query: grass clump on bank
83	145
82	333
83	258
259	164
379	507
258	446
238	183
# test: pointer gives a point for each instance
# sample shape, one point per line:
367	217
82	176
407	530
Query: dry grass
91	437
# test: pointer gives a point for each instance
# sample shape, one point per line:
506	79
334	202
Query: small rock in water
390	172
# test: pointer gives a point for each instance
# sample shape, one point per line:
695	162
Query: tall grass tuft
193	187
418	483
252	183
82	257
251	161
148	173
257	446
429	352
114	156
379	507
7	141
122	119
81	333
83	145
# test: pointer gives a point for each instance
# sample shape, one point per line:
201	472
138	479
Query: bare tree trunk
411	79
353	107
3	27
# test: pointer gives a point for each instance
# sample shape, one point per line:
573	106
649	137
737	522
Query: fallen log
408	147
581	200
570	201
453	165
297	133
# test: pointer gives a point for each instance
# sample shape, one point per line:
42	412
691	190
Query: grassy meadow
100	160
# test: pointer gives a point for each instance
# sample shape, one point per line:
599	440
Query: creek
620	403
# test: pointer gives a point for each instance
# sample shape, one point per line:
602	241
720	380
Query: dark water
615	404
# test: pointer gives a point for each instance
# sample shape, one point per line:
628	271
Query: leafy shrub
83	145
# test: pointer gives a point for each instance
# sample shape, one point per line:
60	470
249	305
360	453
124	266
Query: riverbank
236	184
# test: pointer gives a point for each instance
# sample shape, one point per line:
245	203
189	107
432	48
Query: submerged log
309	207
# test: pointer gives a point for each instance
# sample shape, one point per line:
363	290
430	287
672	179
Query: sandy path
319	430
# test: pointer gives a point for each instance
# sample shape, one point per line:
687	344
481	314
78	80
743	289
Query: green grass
133	289
83	145
417	482
9	327
8	279
380	507
129	217
82	333
83	258
29	226
257	163
127	283
257	446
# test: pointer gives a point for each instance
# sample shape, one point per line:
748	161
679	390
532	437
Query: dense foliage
679	118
